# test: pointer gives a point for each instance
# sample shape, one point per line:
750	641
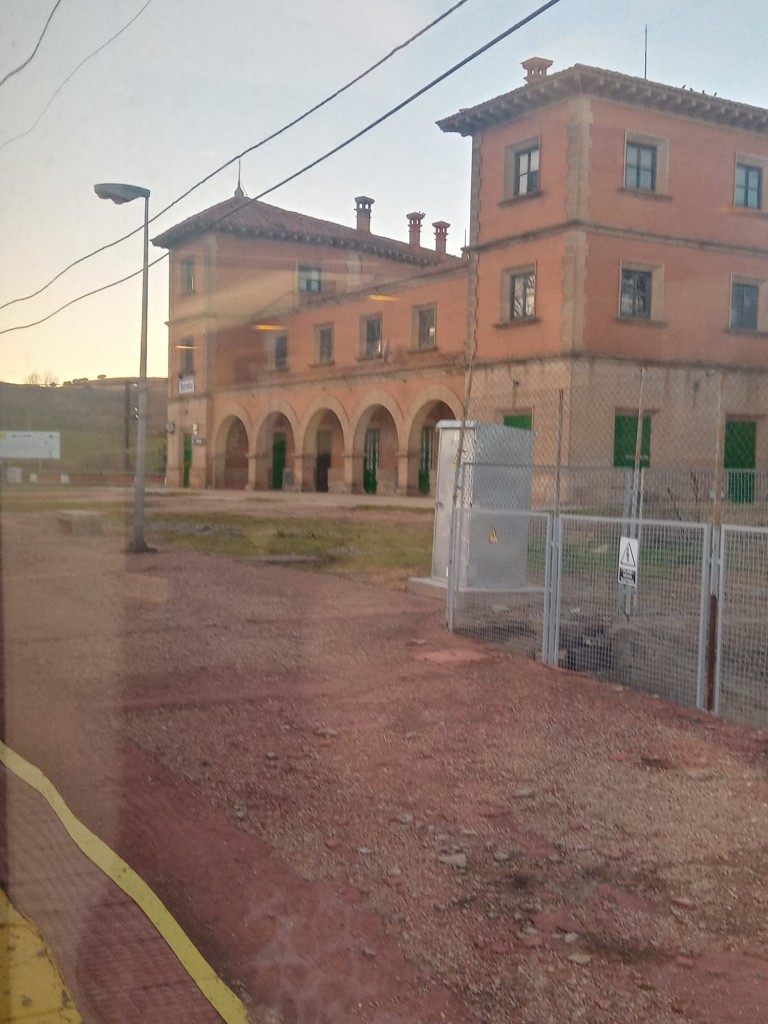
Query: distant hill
91	418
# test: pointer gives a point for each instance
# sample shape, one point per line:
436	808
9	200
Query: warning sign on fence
628	561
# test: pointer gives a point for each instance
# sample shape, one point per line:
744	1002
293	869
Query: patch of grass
389	549
32	500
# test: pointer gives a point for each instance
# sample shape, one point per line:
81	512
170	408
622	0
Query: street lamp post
125	194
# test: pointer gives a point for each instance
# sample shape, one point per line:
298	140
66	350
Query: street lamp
125	194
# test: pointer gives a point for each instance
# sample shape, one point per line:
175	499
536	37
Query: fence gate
649	635
549	587
741	687
499	588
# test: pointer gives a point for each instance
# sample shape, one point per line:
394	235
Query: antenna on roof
239	193
645	61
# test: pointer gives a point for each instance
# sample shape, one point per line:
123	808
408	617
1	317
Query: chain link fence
605	461
614	438
742	640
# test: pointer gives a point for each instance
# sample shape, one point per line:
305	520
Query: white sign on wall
629	557
29	444
187	386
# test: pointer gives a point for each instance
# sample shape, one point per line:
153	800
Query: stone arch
325	444
230	453
433	404
321	406
377	446
363	411
274	452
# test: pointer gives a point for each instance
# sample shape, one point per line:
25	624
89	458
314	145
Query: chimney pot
536	68
441	235
414	228
363	206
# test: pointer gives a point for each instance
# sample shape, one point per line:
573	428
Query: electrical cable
71	75
331	152
21	66
245	152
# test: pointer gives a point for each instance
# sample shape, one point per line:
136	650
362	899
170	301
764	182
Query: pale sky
190	84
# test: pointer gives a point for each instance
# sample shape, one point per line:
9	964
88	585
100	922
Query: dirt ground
358	817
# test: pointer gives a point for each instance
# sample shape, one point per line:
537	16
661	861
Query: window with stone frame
370	337
640	167
745	305
424	324
521	295
187	275
636	293
310	279
522	169
324	343
748	192
281	352
186	349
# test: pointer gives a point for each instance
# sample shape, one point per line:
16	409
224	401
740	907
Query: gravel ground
518	843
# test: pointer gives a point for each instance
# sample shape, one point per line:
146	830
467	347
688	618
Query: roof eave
611	86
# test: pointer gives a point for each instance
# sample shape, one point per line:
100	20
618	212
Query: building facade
618	257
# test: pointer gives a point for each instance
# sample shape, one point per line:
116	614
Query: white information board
29	444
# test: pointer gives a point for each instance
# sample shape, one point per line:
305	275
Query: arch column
252	471
353	473
404	460
410	469
304	471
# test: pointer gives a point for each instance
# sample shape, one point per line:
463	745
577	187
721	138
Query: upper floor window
187	357
281	352
527	171
310	280
749	187
646	163
521	171
745	301
424	327
371	337
640	167
188	275
521	299
324	343
636	292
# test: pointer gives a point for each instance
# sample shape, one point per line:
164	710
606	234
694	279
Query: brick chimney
414	229
363	207
536	68
441	234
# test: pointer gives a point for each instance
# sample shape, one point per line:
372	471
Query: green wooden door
740	452
370	461
323	460
279	448
187	458
426	458
625	441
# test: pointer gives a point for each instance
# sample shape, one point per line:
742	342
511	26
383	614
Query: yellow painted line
221	998
31	987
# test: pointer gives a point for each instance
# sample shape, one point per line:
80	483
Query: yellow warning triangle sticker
493	539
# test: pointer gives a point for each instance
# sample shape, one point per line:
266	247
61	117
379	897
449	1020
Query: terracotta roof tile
255	219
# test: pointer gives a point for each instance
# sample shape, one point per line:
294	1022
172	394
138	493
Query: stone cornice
581	80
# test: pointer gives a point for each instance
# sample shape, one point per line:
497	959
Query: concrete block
80	523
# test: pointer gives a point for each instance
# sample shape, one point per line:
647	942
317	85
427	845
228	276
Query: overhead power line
325	156
239	156
71	75
21	66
